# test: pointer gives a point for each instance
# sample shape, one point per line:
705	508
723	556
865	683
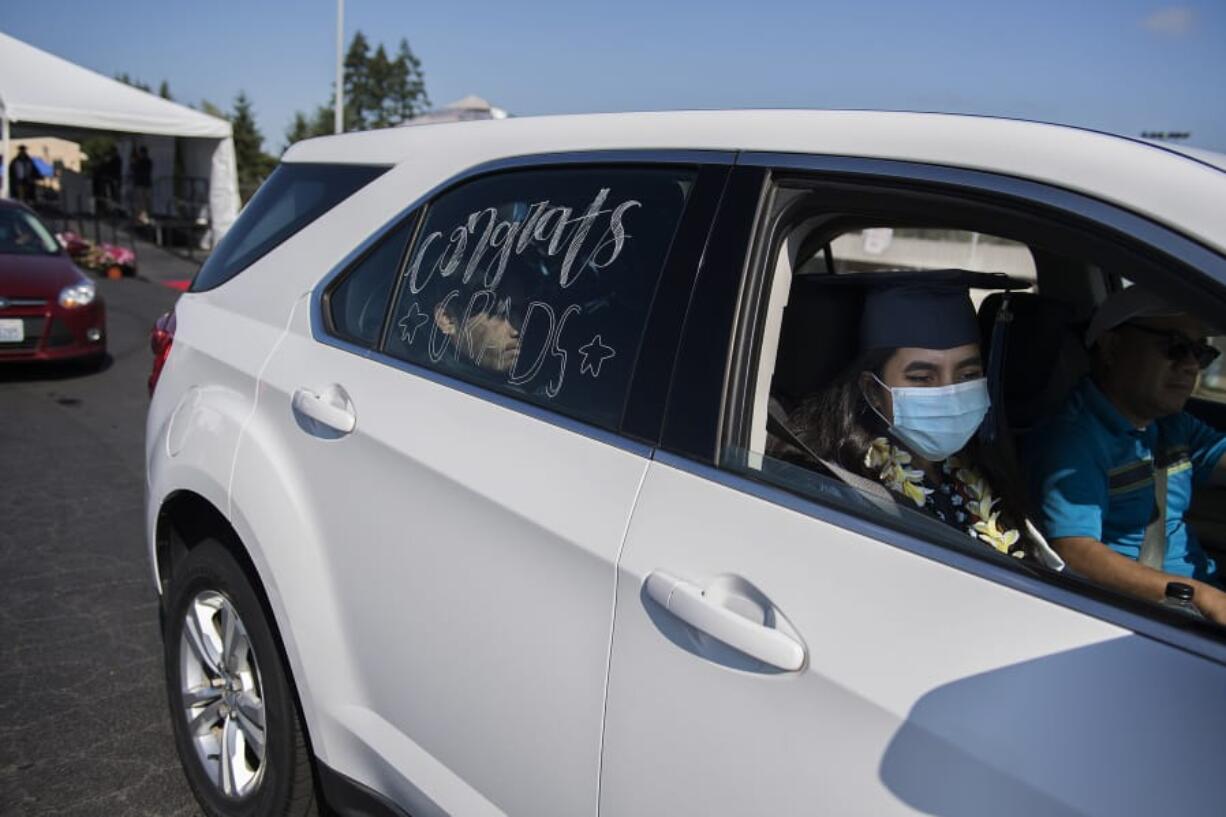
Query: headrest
1044	356
818	339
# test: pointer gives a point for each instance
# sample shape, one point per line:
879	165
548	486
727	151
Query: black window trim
641	442
707	348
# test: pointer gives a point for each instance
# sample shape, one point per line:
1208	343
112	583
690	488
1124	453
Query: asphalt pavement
84	724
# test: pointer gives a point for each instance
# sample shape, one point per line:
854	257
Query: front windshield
22	233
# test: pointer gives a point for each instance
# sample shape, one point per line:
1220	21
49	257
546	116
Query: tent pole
4	155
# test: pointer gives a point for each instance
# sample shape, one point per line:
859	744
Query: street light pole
340	66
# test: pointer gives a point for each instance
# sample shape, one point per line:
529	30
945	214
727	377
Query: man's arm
1094	560
1208	448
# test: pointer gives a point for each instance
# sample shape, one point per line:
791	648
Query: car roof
13	204
1170	186
1209	157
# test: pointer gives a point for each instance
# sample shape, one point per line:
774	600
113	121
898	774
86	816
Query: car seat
818	339
1044	354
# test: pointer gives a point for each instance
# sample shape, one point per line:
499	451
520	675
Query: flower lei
967	488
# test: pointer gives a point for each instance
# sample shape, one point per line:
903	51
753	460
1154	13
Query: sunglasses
1179	347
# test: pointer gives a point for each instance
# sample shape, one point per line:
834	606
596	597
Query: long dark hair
838	424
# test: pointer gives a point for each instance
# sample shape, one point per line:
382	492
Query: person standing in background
22	174
142	184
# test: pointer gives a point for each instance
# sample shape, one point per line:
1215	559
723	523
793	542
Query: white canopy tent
43	94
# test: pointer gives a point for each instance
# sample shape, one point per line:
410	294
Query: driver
1102	464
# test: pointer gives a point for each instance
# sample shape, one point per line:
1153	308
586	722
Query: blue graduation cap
929	309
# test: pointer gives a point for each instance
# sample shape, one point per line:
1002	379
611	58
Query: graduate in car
907	411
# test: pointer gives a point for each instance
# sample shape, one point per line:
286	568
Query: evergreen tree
408	91
254	164
135	83
358	96
164	91
298	130
212	110
305	126
378	76
380	91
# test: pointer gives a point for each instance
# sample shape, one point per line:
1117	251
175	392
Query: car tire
236	722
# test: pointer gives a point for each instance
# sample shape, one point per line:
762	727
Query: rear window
292	197
537	283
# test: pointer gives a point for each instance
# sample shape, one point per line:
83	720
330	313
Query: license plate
12	330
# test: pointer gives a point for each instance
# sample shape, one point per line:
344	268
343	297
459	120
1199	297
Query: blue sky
1117	65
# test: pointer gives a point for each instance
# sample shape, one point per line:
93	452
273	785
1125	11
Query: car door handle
687	602
322	410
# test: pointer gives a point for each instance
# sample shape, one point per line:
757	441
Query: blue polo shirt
1091	473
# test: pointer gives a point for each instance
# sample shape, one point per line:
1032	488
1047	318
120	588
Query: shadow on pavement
33	371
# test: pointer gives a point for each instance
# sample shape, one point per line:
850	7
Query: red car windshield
22	233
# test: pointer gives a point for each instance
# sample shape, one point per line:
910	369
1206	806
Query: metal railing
176	215
105	221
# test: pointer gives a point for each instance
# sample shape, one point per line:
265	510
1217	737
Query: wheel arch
185	519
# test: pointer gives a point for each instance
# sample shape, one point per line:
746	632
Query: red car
49	309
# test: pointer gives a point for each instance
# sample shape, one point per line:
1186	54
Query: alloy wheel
222	695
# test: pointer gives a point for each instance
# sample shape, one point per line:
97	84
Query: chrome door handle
322	410
687	602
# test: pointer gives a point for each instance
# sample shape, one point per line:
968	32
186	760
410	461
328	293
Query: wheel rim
223	698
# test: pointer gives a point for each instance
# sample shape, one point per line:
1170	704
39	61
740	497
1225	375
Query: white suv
462	499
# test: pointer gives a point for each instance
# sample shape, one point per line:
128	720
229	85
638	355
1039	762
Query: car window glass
893	248
356	305
1212	384
291	198
22	233
803	421
799	322
809	344
538	283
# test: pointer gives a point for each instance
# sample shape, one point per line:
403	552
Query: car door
783	645
467	477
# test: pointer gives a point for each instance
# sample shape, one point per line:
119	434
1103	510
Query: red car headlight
78	295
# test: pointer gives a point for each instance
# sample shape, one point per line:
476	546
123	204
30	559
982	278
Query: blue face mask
936	422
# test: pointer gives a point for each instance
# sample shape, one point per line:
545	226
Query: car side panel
204	397
453	613
927	690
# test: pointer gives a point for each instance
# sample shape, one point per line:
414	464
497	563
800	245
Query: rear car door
450	409
879	667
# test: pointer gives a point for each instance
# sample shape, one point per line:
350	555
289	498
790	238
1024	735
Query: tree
135	83
164	91
380	92
254	164
307	126
379	71
212	110
358	96
407	92
97	150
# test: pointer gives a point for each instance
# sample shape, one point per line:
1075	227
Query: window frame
371	248
641	418
717	366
